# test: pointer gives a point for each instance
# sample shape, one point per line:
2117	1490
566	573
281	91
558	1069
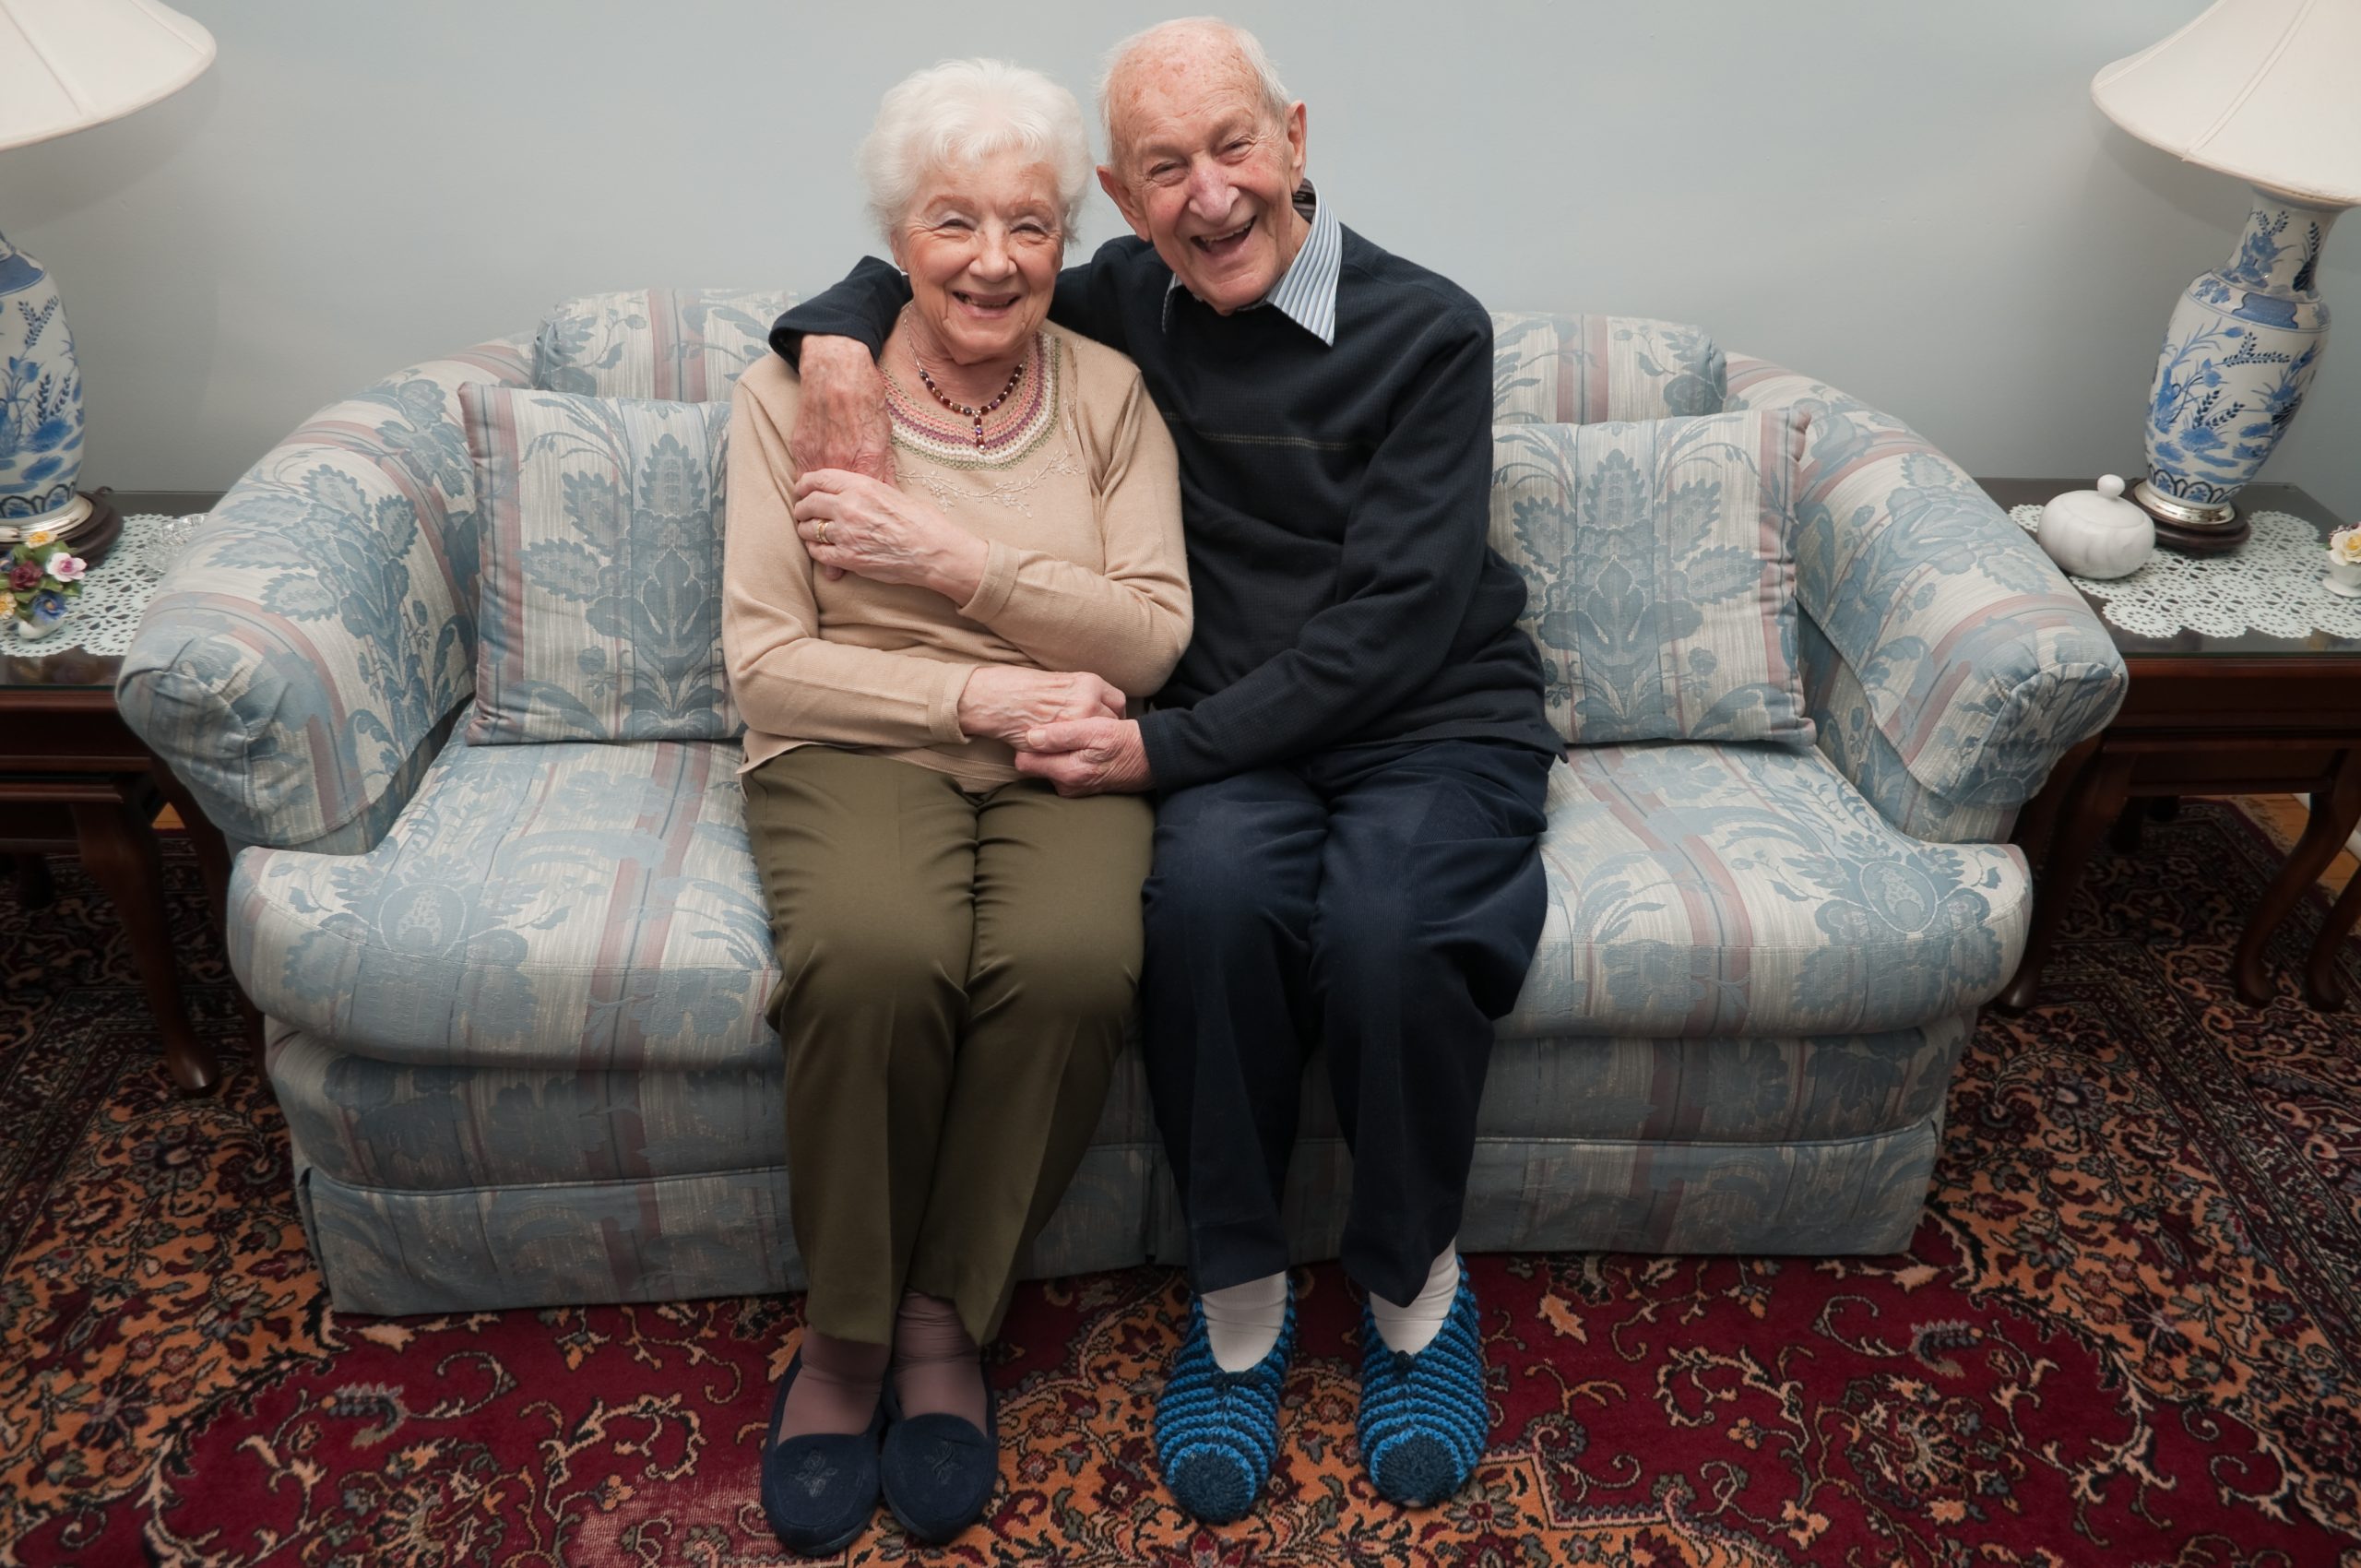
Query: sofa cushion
688	345
600	601
1750	890
576	906
1660	573
1585	369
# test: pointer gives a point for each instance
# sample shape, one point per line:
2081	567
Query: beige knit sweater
1078	497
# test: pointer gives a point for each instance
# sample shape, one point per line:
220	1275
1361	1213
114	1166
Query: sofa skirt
391	1252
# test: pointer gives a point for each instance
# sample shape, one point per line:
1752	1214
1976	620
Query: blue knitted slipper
1424	1421
1217	1432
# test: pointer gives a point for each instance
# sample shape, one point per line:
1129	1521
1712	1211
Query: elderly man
1350	759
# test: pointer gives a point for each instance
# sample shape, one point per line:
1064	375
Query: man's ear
1121	195
1297	118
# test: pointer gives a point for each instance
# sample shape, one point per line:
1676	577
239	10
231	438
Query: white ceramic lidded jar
2096	533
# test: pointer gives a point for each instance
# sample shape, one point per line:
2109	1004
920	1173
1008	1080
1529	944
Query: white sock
1243	1321
1410	1329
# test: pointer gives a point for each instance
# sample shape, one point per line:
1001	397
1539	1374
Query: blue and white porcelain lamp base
2241	350
40	402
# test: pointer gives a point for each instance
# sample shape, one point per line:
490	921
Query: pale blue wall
1915	201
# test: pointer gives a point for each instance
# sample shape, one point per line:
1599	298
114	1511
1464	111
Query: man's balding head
1187	46
1204	154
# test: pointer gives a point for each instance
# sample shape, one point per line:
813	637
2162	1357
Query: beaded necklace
973	414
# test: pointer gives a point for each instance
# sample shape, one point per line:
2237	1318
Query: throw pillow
600	524
1660	573
689	344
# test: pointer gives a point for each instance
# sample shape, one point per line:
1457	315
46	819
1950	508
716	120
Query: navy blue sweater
1335	501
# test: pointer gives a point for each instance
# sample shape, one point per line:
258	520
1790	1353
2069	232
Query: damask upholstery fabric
1980	663
683	345
602	523
412	1126
1849	737
1659	573
417	1127
499	1174
1748	890
1823	1199
568	906
1590	369
515	991
727	1234
671	1238
321	626
583	908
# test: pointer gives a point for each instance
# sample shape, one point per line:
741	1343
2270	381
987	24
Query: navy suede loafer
938	1471
819	1491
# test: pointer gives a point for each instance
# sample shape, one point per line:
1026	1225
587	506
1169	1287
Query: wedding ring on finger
824	530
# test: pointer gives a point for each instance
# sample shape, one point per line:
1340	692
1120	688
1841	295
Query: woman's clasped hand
849	522
1005	701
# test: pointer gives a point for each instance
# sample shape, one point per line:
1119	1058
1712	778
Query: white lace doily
2271	585
114	592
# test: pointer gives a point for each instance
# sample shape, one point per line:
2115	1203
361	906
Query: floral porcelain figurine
42	574
2343	575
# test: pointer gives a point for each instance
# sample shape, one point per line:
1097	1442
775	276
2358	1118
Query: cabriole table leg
119	851
2096	797
2334	812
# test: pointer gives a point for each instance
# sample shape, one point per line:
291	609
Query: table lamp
2269	91
65	64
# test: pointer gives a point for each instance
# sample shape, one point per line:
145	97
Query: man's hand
1008	702
840	417
1086	756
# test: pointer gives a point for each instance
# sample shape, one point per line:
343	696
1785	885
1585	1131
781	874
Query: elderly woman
958	947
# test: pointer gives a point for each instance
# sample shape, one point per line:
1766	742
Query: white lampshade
68	63
2269	91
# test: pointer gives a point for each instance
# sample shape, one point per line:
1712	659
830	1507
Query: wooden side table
74	780
2213	715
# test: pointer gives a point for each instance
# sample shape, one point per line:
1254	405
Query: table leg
34	890
119	852
2036	822
212	849
2334	812
2321	986
2097	796
213	864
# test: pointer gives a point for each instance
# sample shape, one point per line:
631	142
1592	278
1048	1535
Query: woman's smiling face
982	244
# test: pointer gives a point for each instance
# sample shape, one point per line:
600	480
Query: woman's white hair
954	115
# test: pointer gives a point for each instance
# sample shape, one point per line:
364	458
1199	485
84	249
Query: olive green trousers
957	971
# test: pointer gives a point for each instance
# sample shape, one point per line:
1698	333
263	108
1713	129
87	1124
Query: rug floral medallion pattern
2125	1333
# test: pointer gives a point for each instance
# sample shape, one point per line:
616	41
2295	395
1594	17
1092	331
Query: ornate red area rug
2125	1334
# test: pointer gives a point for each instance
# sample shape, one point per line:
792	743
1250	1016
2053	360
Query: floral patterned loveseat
515	993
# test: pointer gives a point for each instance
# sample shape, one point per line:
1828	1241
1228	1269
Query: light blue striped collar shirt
1306	294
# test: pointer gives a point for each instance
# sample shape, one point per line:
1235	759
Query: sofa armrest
1964	650
301	664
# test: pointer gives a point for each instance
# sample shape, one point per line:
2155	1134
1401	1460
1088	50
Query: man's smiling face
1206	172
